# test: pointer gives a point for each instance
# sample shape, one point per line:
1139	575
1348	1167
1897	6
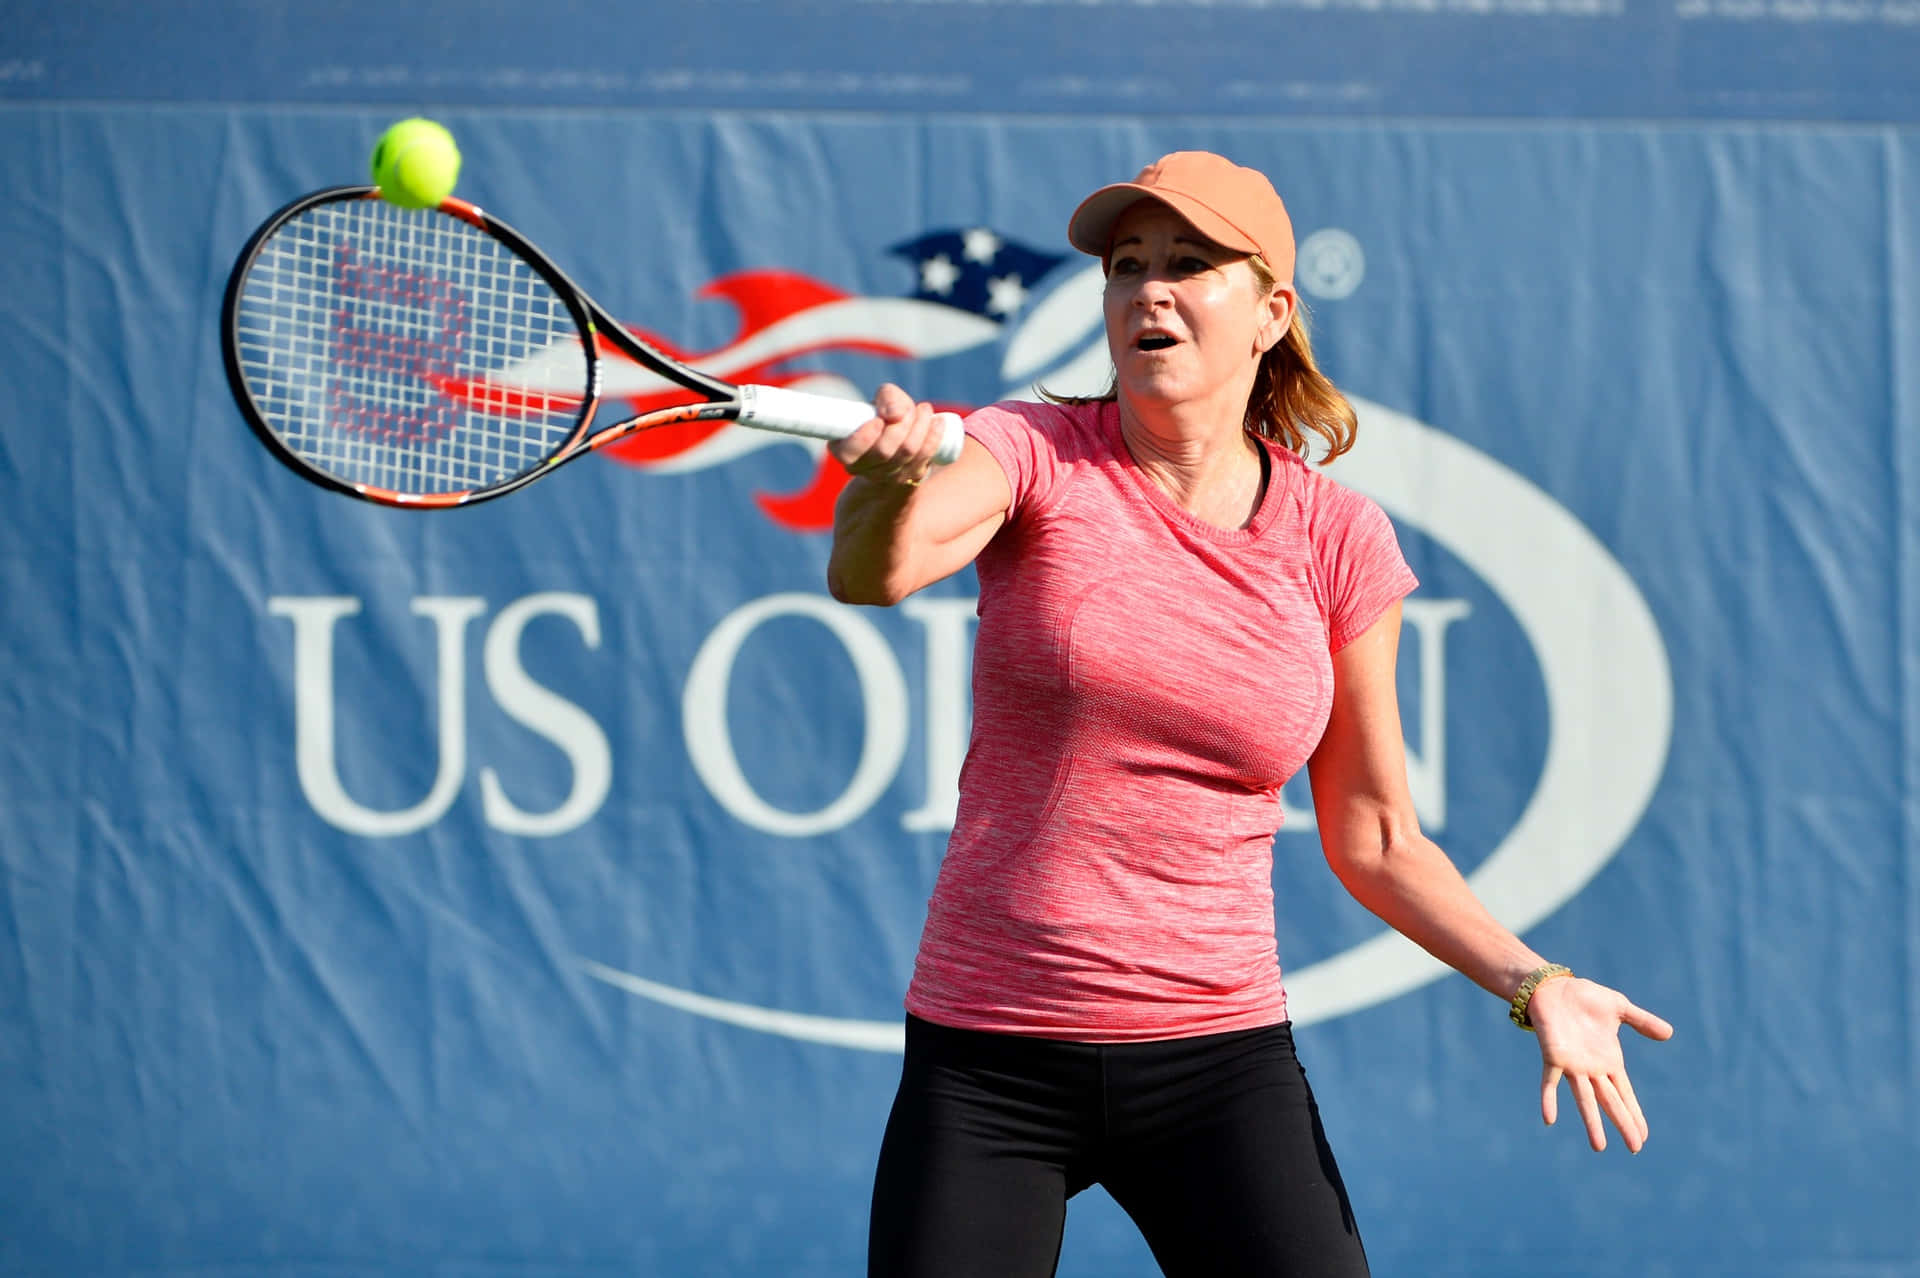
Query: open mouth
1154	342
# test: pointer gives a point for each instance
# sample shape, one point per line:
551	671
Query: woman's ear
1281	302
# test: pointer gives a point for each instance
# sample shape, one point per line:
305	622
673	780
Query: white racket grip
793	412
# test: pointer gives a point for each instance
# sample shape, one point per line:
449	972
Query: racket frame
722	399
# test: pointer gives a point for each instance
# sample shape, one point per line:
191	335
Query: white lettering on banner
884	707
315	761
949	680
883	692
569	727
1427	766
1427	762
560	721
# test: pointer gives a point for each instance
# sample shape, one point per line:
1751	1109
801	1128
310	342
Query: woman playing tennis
1176	614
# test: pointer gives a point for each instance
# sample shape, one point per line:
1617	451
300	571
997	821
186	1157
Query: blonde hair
1291	397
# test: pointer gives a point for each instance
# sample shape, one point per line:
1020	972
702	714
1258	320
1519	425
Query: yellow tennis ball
416	163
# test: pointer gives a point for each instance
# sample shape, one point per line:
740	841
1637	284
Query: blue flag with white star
976	269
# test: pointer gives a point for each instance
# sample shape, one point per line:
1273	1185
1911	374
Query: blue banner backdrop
531	889
1783	60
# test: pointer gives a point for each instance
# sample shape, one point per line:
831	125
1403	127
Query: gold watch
1517	1013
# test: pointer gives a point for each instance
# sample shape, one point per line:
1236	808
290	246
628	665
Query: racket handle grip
793	412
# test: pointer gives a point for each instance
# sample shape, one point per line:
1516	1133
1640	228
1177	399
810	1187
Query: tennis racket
433	357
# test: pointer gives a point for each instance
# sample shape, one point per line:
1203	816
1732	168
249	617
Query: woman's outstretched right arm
903	522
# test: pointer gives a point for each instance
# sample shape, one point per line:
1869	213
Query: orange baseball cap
1234	206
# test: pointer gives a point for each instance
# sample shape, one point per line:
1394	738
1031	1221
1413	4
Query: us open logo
1602	665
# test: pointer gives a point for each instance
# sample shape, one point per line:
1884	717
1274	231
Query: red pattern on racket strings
359	342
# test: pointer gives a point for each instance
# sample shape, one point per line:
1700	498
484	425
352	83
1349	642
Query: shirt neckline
1263	518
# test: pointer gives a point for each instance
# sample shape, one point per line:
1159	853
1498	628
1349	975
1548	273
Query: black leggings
1212	1145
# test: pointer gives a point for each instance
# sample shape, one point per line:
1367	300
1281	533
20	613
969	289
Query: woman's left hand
1578	1023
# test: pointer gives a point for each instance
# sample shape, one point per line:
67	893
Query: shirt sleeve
1361	568
1022	438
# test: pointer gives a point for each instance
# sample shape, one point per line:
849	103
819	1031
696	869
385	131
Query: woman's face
1187	320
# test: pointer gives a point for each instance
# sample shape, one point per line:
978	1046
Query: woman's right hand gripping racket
434	358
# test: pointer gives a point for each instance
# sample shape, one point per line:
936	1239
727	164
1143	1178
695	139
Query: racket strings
407	350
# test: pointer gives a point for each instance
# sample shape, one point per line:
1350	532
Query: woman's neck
1213	474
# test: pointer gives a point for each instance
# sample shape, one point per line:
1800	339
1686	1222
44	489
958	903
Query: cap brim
1090	229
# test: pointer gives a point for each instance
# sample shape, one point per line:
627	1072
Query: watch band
1517	1013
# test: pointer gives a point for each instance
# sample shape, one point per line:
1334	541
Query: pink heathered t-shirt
1143	685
